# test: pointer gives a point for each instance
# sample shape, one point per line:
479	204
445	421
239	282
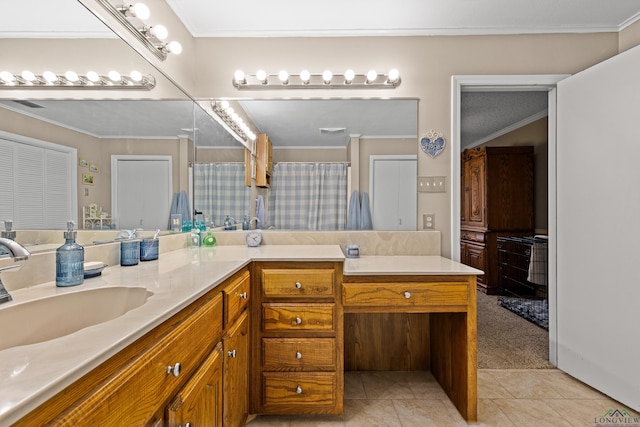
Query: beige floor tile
490	388
387	385
423	413
317	421
581	412
424	385
353	387
269	421
490	414
527	383
368	413
571	388
531	413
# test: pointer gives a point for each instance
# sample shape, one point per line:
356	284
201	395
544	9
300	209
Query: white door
393	192
598	201
142	191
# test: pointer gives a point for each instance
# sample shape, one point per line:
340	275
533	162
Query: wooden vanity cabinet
296	340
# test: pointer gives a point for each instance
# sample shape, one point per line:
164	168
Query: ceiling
484	114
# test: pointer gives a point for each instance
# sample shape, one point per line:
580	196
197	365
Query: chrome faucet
18	253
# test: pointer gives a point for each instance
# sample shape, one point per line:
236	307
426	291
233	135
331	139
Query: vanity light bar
72	80
132	18
231	119
325	80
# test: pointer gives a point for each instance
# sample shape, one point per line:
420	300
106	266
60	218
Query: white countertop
31	374
405	265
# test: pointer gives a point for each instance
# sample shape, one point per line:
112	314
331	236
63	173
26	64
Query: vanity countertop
31	374
405	265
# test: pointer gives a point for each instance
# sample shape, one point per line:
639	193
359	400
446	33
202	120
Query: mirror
324	130
96	123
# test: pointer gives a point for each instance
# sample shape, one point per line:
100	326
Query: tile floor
530	397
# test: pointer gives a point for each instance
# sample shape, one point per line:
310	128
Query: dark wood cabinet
496	200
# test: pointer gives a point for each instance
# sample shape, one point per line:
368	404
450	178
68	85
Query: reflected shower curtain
219	190
308	196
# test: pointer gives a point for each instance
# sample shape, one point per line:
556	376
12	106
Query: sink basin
59	315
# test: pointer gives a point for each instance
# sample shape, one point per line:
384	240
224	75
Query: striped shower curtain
308	196
219	190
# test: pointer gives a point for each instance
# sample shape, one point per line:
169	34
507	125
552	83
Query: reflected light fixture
325	80
72	80
232	120
132	18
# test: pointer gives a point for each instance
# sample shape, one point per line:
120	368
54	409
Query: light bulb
72	76
262	76
327	76
93	76
174	47
115	76
305	76
394	76
28	76
239	77
230	111
50	76
372	75
136	76
140	10
7	76
349	75
159	31
283	76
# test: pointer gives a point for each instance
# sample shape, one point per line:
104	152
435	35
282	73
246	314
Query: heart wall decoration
432	143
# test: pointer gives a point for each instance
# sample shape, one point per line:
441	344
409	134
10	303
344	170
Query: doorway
510	83
141	191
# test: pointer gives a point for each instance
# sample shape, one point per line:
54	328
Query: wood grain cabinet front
310	283
404	295
298	317
236	297
288	354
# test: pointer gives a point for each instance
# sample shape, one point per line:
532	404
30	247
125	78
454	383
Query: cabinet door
236	373
475	183
199	403
475	256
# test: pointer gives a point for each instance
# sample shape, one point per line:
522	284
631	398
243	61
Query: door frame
510	83
115	158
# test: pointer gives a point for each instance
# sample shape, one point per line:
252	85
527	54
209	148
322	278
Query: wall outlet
429	221
431	184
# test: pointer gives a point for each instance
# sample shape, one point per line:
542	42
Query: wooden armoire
496	200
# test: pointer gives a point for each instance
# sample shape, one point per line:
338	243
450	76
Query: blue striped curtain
219	190
308	196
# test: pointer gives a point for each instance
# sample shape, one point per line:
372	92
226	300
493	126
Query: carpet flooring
507	341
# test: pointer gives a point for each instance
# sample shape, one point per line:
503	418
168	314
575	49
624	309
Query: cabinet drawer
404	294
308	389
141	387
236	297
298	353
472	236
282	283
298	317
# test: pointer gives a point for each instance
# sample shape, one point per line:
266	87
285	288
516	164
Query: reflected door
393	192
142	190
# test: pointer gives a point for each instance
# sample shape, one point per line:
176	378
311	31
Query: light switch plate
428	221
431	184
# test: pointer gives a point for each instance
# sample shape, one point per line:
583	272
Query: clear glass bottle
69	260
245	223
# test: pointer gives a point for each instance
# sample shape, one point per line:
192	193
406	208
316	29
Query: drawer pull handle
298	321
407	295
243	295
298	355
232	353
298	285
299	390
175	369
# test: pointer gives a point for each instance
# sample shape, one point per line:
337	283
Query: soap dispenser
69	260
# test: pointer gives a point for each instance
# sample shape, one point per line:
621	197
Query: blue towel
174	208
365	213
353	219
183	206
260	212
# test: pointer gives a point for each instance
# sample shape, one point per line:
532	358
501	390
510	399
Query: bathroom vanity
259	330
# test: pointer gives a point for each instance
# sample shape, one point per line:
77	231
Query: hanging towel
353	218
174	208
260	212
183	206
365	213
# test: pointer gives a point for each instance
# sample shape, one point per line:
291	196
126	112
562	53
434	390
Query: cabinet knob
299	390
232	353
175	369
243	295
298	285
407	295
298	320
298	355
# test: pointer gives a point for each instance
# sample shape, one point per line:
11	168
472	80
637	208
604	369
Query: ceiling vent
333	131
29	104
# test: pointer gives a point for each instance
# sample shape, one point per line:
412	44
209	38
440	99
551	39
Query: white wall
598	223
